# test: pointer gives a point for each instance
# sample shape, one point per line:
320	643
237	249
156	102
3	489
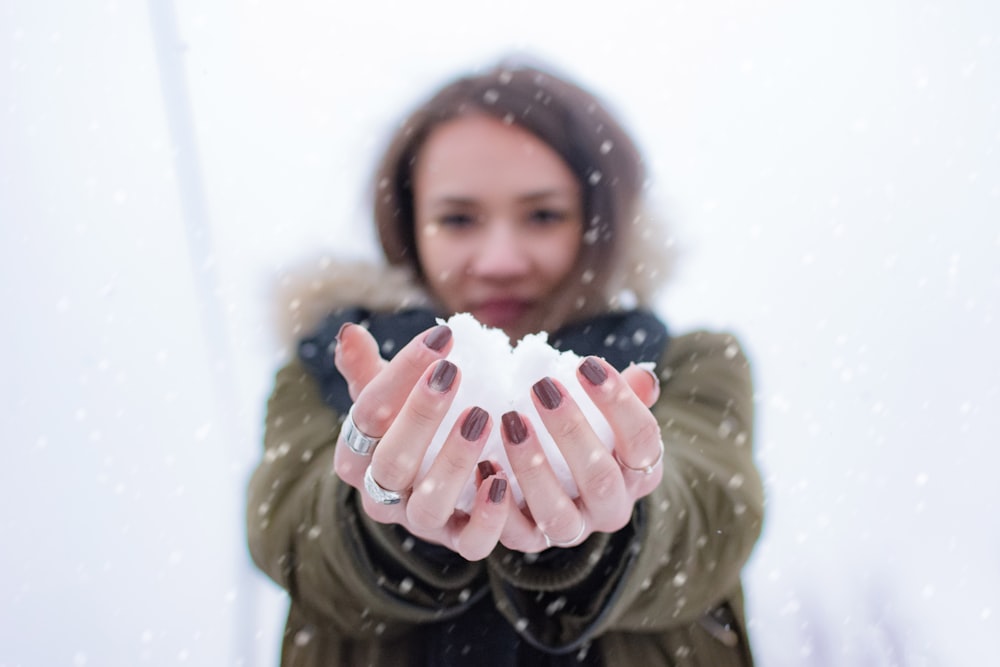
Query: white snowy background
831	173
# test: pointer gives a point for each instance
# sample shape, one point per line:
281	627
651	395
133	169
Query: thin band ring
379	493
549	542
645	470
358	442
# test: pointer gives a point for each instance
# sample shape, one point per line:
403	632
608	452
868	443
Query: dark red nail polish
593	371
474	423
443	376
438	337
514	428
548	393
498	489
486	470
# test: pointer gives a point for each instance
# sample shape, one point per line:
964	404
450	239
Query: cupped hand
403	402
609	482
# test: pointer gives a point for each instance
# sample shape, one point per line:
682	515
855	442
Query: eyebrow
539	195
545	194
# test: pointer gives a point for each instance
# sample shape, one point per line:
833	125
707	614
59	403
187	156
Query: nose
501	253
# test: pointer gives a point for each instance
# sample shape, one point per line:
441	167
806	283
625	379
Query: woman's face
499	222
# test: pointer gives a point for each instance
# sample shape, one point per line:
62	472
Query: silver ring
645	470
379	493
549	542
358	442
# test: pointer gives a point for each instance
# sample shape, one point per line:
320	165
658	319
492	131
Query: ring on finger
549	542
379	493
358	442
645	470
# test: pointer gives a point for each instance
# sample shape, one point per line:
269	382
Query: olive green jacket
360	592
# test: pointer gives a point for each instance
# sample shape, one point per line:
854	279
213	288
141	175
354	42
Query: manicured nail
438	337
486	470
443	376
498	489
548	393
474	423
593	371
514	428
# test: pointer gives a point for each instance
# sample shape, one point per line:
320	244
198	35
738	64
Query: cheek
441	264
431	252
560	256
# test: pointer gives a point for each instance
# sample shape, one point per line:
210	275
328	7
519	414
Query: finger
435	496
638	442
380	512
349	466
396	461
383	396
644	382
357	357
597	474
521	533
487	519
553	511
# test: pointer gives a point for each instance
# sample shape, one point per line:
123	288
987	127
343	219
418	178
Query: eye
456	220
547	216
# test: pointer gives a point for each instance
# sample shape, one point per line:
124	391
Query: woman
513	195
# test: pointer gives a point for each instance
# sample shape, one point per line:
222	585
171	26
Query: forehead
479	151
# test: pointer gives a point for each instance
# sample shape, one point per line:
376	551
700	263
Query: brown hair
573	122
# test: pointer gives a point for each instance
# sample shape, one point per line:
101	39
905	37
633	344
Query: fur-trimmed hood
310	290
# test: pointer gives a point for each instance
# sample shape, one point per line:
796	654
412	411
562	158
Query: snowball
498	379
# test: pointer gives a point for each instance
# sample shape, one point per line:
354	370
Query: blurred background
831	175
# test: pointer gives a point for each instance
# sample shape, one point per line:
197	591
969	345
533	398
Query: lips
500	313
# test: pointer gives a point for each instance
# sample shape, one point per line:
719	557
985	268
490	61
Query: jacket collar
621	338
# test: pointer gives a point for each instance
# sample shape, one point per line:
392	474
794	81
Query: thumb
644	382
357	357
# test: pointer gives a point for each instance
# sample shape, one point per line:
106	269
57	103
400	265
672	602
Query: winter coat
663	591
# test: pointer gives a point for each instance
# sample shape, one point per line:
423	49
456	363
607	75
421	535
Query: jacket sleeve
306	531
687	543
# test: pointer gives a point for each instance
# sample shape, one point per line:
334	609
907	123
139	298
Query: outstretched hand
406	399
609	482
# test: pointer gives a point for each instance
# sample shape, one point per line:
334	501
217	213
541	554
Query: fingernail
438	337
340	332
514	428
548	393
650	372
498	489
443	376
593	371
474	423
486	470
